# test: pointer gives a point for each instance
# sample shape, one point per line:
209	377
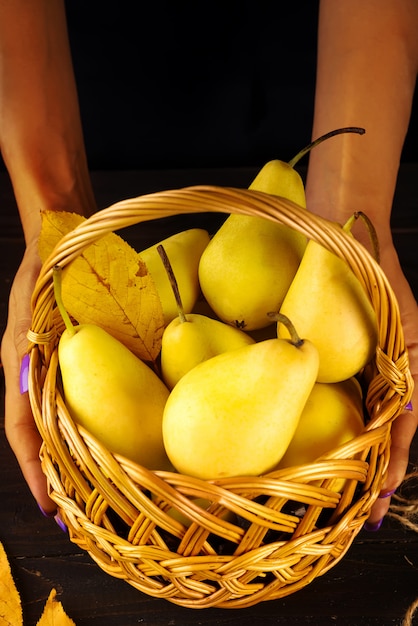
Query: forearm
41	137
367	66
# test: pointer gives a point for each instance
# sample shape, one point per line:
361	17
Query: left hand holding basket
21	431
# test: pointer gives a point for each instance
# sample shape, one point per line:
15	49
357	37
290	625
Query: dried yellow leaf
55	224
10	606
54	614
108	285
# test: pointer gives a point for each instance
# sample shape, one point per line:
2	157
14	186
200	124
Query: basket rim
210	198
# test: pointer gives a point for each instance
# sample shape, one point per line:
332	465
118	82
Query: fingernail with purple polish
409	407
60	523
387	494
24	374
373	527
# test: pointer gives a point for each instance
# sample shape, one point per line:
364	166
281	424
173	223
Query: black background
193	84
196	84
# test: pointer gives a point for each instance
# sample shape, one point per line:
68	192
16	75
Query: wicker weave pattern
260	537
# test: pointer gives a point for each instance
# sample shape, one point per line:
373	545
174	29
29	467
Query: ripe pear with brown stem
185	249
235	414
111	392
250	262
190	339
330	307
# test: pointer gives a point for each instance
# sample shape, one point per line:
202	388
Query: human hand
20	427
404	427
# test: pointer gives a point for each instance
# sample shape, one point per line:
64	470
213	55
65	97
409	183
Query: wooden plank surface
373	584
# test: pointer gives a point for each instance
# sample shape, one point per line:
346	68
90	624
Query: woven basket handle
213	199
199	199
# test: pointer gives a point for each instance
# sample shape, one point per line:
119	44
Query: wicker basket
261	538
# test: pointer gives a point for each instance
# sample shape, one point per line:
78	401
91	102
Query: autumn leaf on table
108	285
54	614
10	607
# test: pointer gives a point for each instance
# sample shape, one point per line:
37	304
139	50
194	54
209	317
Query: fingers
405	426
21	431
403	431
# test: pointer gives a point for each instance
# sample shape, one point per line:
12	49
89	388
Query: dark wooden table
373	585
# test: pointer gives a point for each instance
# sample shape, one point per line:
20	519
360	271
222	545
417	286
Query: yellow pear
236	413
329	306
184	249
247	268
192	338
248	265
279	178
196	338
112	393
333	415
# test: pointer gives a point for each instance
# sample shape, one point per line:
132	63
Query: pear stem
283	319
332	133
370	228
173	281
57	282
